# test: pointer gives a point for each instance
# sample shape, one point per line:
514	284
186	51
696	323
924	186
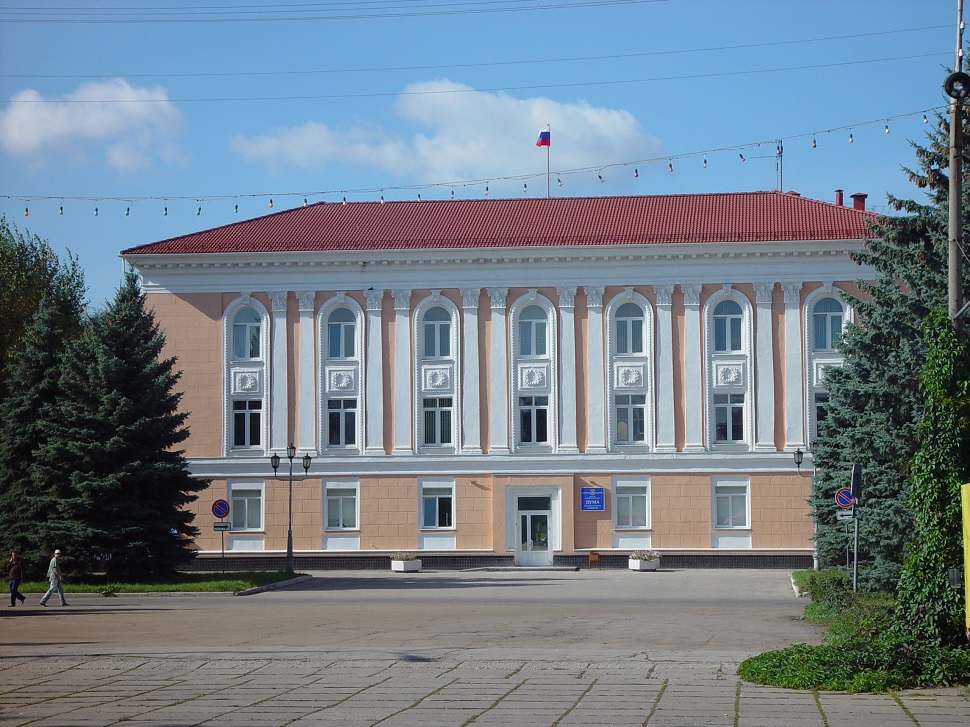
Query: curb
273	586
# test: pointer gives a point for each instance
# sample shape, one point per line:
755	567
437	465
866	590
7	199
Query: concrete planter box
406	566
636	564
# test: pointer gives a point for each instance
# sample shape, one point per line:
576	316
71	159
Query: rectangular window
246	508
532	335
341	340
437	506
245	341
247	423
437	420
437	339
341	504
730	505
341	422
727	334
631	506
630	417
629	336
729	417
533	419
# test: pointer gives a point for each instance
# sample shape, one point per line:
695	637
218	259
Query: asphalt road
688	614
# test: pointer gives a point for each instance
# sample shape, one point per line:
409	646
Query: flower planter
406	566
637	564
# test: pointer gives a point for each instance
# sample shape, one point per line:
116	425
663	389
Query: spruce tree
875	402
29	502
115	445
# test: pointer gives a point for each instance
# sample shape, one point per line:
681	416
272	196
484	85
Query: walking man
54	574
15	569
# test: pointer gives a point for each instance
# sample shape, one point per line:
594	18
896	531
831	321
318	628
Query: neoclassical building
525	378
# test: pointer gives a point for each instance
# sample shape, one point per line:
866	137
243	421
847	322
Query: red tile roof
480	223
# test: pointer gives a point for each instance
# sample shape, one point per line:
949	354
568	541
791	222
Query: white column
373	399
665	370
794	356
595	378
764	370
278	403
402	371
498	365
471	441
306	392
694	398
567	369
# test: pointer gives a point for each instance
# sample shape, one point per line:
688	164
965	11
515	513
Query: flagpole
548	153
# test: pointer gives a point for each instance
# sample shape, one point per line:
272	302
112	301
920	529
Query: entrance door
533	520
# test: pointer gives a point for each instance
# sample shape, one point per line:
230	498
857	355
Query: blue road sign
220	508
843	497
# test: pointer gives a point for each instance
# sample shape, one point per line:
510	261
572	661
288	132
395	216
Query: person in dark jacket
15	574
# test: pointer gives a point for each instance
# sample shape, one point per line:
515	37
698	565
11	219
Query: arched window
246	367
827	317
245	335
342	334
533	324
437	333
629	329
437	416
340	329
728	320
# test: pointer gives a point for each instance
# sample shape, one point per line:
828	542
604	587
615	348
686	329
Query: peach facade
506	402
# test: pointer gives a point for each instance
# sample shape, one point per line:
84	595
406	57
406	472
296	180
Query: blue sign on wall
592	498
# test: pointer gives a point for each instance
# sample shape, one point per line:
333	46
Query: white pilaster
307	397
402	371
498	415
693	366
373	409
471	441
567	369
665	370
595	377
794	356
764	370
278	405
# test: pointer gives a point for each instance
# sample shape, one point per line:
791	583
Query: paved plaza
446	648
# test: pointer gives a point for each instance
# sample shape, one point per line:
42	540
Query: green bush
861	650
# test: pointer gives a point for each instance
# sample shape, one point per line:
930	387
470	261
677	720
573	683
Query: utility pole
957	86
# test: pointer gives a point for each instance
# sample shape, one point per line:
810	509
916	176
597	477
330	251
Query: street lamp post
274	462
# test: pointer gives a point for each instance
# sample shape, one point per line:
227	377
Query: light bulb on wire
851	140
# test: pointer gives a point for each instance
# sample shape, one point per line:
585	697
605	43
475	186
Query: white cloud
460	133
120	121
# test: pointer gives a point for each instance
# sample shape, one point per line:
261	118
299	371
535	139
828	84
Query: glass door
533	544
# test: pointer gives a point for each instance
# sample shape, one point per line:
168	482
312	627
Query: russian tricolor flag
543	139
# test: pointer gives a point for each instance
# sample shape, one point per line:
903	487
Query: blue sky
208	107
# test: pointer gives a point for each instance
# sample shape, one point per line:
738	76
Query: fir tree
29	503
115	445
875	402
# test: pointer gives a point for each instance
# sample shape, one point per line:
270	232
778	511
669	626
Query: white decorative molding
629	377
373	355
342	380
594	296
763	292
305	300
496	297
567	297
692	294
402	299
470	297
374	299
533	377
729	374
664	293
793	292
247	381
277	299
437	379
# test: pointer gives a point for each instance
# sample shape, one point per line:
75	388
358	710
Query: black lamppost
274	462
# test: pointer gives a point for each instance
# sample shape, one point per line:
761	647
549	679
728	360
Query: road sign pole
855	555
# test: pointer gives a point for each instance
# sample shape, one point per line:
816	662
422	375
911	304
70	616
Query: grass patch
179	583
860	653
801	578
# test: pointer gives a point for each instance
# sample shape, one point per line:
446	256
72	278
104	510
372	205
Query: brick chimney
859	201
838	197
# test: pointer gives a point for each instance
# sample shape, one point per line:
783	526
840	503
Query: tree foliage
114	446
927	607
875	400
30	272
